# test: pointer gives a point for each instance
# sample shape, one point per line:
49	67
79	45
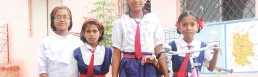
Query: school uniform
55	53
199	57
124	37
102	60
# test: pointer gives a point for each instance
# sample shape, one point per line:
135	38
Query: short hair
88	22
53	13
182	15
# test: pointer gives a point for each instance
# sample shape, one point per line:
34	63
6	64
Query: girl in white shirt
188	25
55	51
92	59
136	35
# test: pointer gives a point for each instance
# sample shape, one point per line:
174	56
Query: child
136	35
55	51
92	59
188	25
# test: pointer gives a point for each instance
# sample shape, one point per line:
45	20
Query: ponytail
147	7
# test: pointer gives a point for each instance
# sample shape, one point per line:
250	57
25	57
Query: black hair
91	22
147	7
53	13
184	14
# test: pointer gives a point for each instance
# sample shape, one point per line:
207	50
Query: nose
136	0
91	33
189	27
62	19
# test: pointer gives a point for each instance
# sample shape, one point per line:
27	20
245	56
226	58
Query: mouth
137	4
91	38
61	23
189	32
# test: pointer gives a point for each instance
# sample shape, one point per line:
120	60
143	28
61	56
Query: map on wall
242	46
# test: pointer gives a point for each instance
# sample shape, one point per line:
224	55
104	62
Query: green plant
106	15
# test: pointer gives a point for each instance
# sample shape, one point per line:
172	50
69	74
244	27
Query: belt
84	75
132	56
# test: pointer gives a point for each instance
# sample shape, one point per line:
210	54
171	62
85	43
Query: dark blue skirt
132	67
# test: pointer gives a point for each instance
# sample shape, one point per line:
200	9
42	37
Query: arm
210	63
213	61
162	63
42	61
116	61
158	40
73	63
117	44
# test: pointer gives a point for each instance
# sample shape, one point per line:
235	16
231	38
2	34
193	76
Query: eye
57	17
88	31
193	24
66	17
183	25
95	31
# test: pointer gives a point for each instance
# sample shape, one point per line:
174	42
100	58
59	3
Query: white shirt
195	45
124	30
55	53
99	54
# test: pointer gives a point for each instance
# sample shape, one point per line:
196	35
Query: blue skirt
132	67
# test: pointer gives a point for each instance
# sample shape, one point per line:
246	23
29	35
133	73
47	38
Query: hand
148	59
216	50
43	75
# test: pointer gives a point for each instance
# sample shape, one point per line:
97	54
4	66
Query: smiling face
136	5
62	20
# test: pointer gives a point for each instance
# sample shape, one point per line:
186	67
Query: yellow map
242	48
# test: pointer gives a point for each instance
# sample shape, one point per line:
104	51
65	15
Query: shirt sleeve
158	34
117	34
170	45
207	58
42	59
74	68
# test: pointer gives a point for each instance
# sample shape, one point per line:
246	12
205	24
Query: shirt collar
98	48
192	44
61	37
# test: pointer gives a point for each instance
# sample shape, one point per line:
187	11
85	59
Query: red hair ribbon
177	24
199	22
94	20
60	7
